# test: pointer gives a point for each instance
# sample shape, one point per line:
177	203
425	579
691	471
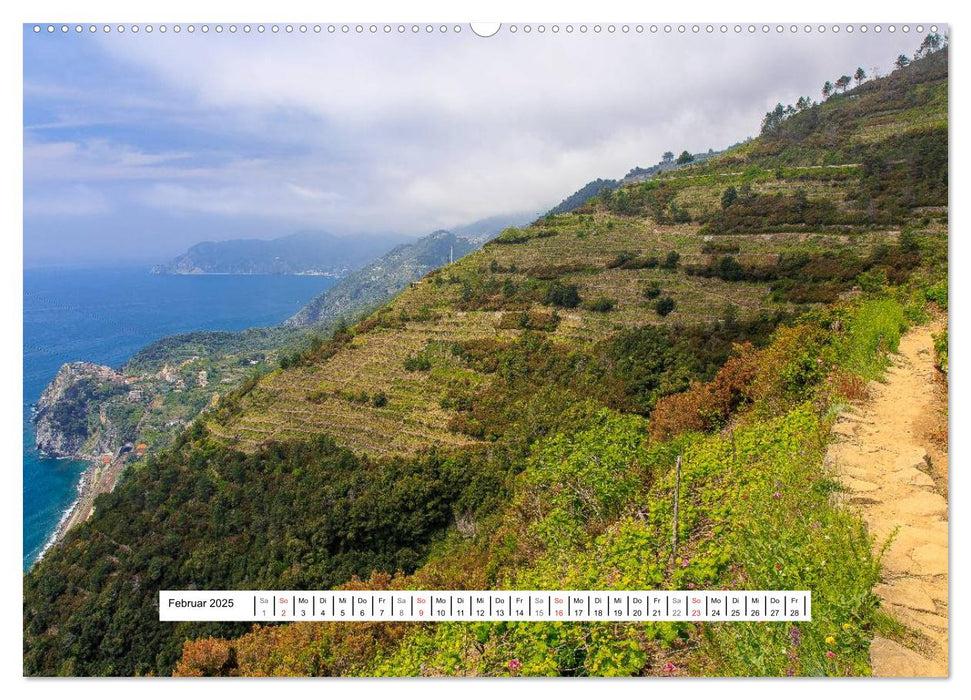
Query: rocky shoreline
62	431
95	480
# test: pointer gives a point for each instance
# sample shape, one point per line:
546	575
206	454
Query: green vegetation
172	519
940	351
601	304
664	306
564	295
652	290
513	420
592	509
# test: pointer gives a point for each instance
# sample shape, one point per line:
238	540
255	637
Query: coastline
95	480
331	275
80	313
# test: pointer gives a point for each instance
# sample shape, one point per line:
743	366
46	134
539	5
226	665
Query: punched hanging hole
485	29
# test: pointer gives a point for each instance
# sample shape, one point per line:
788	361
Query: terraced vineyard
336	396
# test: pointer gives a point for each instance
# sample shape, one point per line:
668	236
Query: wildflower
515	665
795	636
670	667
684	563
778	567
777	495
847	625
790	671
831	640
830	655
691	586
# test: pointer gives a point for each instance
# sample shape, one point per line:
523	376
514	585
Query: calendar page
435	348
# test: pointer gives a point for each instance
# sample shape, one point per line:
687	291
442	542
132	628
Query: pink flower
684	563
670	667
515	665
830	655
691	586
777	495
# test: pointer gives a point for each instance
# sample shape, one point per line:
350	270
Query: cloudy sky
139	145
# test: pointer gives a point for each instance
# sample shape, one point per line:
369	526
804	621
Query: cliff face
68	421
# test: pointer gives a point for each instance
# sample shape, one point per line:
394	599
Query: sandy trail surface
891	454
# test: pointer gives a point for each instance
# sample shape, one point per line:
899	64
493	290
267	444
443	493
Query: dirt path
891	455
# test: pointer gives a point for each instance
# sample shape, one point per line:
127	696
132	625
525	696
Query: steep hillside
636	174
680	244
381	279
92	415
512	419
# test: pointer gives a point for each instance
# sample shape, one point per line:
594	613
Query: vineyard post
674	525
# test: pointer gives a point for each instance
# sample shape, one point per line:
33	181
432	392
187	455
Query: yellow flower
831	640
846	625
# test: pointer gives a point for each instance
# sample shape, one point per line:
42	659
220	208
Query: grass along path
895	476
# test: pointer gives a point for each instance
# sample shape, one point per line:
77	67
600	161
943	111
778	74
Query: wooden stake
674	526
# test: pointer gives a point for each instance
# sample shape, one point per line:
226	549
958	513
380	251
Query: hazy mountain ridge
304	253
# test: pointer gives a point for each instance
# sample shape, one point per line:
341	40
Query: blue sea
105	316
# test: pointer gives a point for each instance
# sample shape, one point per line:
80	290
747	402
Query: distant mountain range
304	253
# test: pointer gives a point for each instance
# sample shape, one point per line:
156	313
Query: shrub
652	290
909	242
318	396
418	363
706	406
872	280
937	293
671	260
729	196
621	260
848	386
940	351
536	320
564	295
664	306
380	399
601	304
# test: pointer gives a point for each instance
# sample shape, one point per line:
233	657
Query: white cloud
410	133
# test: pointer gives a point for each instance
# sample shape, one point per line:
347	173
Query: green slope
512	419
